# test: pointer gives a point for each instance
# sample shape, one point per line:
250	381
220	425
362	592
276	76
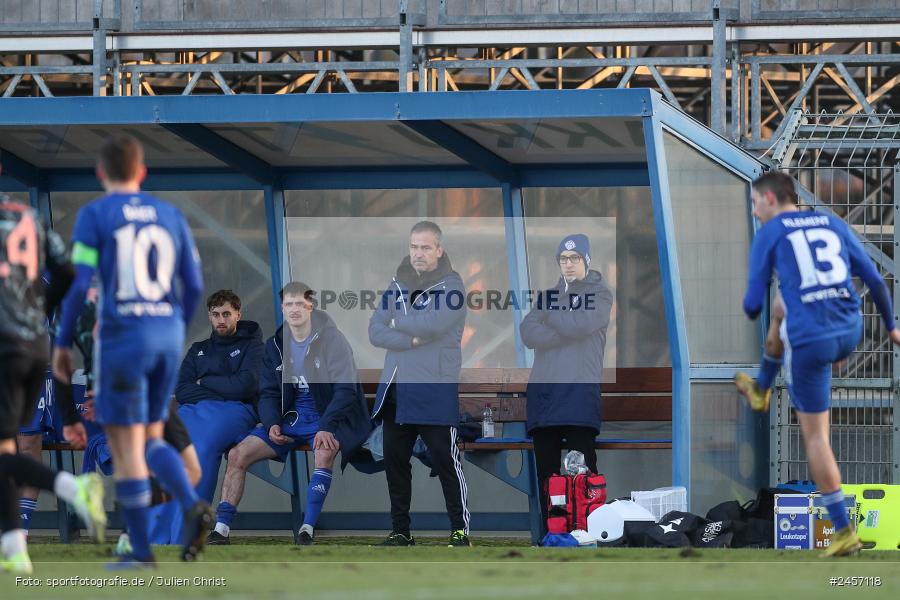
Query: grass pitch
265	568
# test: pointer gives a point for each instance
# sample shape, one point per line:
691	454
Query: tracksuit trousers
398	447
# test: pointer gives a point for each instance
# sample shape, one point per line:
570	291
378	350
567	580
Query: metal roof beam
20	170
465	148
228	152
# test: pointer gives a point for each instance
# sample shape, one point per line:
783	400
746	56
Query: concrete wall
202	15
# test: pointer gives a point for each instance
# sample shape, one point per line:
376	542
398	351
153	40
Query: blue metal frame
673	302
275	215
517	262
708	142
160	180
39	199
10	184
385	178
171	179
585	175
11	166
288	108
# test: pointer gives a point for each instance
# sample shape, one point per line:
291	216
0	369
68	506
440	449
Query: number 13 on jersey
801	240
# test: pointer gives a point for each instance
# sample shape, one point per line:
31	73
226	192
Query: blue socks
768	369
225	513
134	498
166	465
834	502
26	508
319	484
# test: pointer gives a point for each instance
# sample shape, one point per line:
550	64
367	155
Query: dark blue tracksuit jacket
430	307
228	366
564	385
333	382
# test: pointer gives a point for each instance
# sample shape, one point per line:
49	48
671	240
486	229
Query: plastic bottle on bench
487	422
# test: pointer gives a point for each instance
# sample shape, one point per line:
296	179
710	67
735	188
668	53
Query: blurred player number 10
133	258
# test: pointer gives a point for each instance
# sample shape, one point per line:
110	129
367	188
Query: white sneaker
88	504
19	563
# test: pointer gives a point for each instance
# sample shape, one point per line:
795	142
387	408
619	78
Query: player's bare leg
249	451
192	464
127	442
816	431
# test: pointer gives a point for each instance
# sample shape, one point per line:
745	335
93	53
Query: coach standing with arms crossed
567	330
419	321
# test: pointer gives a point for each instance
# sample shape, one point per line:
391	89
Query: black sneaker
217	539
398	539
459	538
197	523
304	537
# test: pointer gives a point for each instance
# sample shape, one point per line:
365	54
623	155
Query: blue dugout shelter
614	152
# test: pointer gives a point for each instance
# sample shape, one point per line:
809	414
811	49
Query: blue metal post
673	301
517	263
764	436
39	199
519	281
275	217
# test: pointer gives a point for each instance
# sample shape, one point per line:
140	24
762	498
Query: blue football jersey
140	245
816	256
303	399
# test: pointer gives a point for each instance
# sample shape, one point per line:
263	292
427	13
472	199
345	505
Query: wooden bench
631	395
635	395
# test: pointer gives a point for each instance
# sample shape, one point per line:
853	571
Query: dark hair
780	184
427	226
222	297
298	288
120	157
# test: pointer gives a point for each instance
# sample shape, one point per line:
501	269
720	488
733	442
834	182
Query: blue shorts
46	419
807	369
136	375
39	419
303	430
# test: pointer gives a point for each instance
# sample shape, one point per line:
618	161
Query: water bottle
487	422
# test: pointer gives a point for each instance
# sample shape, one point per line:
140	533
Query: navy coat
564	385
431	307
228	367
333	382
